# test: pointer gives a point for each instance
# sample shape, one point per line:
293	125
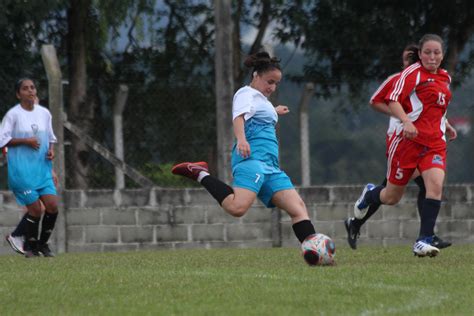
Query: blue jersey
28	168
260	119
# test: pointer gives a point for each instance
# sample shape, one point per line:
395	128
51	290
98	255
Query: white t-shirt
253	104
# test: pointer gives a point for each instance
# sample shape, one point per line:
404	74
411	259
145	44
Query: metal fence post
304	135
120	101
55	94
224	86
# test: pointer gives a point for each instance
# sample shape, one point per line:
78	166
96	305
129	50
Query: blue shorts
28	197
251	175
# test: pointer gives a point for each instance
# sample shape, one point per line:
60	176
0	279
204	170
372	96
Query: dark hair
20	82
412	55
430	37
262	62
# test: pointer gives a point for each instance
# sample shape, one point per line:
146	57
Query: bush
161	175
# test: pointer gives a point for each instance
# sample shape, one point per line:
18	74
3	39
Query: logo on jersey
437	160
26	192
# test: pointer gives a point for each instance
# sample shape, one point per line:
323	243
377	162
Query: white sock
201	176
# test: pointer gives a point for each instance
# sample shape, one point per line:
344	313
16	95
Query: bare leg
291	202
238	203
392	193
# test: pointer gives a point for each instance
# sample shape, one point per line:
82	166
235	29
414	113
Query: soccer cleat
45	251
353	232
31	253
30	249
360	207
423	248
439	243
16	242
190	170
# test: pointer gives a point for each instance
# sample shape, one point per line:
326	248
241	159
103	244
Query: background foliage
163	50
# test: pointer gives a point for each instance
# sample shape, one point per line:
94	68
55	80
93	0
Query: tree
91	25
22	26
224	86
356	42
80	111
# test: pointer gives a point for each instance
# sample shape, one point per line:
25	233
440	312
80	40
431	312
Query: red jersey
382	91
424	97
379	97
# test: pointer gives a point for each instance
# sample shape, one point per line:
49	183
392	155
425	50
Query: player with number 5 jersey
419	100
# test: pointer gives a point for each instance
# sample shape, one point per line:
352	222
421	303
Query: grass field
369	281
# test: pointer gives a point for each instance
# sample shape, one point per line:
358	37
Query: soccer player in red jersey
419	100
378	103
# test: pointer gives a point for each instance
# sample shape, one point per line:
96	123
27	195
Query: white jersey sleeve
6	129
243	103
51	136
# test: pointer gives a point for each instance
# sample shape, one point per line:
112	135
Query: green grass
369	281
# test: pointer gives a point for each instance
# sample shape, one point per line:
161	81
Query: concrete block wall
111	220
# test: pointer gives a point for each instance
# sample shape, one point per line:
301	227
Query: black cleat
353	232
45	251
439	243
30	249
31	253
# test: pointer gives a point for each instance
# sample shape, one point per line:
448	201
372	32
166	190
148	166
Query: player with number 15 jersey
424	96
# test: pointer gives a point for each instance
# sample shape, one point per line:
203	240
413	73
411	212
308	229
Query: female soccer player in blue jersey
255	167
27	131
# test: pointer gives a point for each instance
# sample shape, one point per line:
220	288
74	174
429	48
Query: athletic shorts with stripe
405	156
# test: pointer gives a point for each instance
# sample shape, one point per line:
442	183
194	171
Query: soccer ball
318	250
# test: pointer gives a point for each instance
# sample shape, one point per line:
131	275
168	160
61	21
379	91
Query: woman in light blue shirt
27	132
255	165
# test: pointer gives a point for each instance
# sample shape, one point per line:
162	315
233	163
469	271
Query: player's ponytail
261	62
412	55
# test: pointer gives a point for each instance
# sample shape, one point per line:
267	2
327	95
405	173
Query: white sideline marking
417	303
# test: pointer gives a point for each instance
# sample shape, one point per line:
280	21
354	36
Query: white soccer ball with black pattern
318	250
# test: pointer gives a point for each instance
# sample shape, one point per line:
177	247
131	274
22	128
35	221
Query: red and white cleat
190	170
